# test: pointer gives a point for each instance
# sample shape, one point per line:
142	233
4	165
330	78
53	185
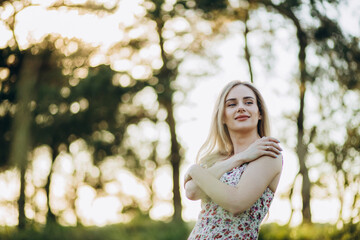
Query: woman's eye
249	102
231	105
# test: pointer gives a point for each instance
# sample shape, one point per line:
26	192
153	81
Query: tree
166	15
22	120
340	56
38	80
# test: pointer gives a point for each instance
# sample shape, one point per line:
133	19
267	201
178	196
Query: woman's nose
241	108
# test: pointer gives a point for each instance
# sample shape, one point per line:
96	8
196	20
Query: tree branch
246	47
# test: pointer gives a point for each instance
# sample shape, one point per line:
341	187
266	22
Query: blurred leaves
208	6
309	231
89	6
141	228
108	106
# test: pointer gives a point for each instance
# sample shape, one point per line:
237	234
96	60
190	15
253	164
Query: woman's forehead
240	91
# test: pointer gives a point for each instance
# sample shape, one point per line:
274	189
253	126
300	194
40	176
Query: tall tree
287	11
20	144
340	57
26	73
177	34
166	75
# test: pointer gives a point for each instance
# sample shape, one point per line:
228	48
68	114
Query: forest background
104	104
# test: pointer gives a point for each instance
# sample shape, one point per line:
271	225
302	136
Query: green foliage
143	228
58	87
348	232
309	231
211	5
292	3
5	123
139	229
9	59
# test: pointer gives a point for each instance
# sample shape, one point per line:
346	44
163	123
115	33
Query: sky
193	113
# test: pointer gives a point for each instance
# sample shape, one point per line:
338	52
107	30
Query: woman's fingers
272	154
276	146
274	140
270	141
267	146
273	150
187	178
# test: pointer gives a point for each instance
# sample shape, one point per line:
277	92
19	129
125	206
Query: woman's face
241	112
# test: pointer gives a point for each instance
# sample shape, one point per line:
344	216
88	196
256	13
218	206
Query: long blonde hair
218	143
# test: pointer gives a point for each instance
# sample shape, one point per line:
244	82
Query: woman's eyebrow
234	99
230	99
248	97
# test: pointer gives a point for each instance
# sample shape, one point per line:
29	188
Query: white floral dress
215	222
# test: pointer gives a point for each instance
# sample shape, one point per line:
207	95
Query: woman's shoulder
210	159
269	163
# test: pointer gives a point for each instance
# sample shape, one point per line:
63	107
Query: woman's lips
242	118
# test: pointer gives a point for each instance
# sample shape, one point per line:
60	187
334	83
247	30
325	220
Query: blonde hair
218	143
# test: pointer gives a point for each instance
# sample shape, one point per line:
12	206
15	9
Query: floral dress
215	222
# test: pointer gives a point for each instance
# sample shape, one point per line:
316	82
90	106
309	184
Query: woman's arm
236	199
194	192
266	146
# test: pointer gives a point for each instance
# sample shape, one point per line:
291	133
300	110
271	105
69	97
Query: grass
147	229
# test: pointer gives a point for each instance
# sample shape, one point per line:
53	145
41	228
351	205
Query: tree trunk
165	77
175	162
246	47
20	143
22	197
50	216
301	148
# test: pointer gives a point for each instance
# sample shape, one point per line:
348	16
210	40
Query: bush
143	228
348	232
309	231
139	229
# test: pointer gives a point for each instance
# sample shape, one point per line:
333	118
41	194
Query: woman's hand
192	190
187	177
265	146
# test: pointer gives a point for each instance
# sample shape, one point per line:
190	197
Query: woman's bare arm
256	150
194	192
257	177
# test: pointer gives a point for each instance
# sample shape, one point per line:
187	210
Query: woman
238	168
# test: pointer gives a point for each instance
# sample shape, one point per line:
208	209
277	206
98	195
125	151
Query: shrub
309	231
139	229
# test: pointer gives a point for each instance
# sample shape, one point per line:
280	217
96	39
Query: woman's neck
242	141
